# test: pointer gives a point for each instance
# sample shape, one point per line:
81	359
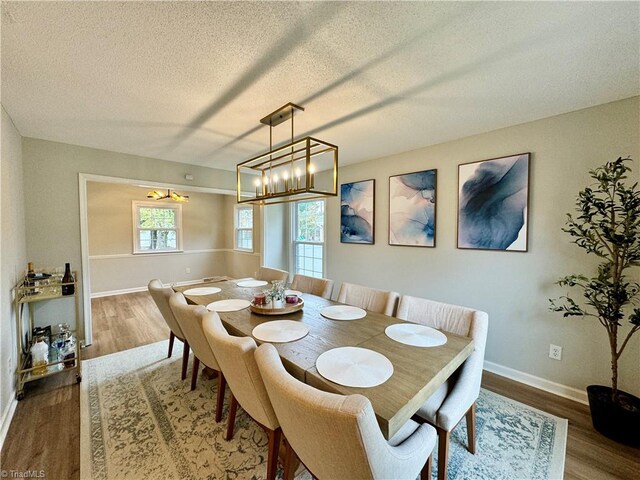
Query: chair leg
222	383
194	374
274	447
232	417
172	338
425	474
471	428
289	460
185	359
443	453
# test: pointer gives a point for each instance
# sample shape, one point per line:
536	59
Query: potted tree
608	225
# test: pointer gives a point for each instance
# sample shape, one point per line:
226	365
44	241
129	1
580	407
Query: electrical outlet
187	270
555	352
10	365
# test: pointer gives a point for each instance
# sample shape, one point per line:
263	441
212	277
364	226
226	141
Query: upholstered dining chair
270	274
322	287
235	356
161	295
456	398
190	319
337	436
378	301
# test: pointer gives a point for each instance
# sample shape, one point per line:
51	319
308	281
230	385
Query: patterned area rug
140	421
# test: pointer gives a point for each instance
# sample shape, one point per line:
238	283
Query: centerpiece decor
276	301
608	226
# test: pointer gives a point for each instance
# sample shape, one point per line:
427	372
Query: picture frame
493	204
412	209
357	212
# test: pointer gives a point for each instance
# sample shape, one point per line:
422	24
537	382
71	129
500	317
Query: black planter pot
619	421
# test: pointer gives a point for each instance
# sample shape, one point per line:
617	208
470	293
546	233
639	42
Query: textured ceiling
189	81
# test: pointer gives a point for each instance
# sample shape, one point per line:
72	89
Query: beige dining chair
378	301
321	287
271	274
190	319
456	398
161	295
337	436
238	365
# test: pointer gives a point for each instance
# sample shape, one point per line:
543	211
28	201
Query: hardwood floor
45	431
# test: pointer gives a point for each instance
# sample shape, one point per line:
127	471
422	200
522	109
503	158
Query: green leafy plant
607	225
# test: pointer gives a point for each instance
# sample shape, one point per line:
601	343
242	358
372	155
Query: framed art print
357	212
412	209
493	197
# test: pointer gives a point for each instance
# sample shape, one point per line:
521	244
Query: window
244	228
308	237
157	228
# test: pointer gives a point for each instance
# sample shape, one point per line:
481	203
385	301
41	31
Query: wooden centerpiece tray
288	308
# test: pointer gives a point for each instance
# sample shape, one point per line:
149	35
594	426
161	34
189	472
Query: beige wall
13	256
113	264
52	196
512	287
243	264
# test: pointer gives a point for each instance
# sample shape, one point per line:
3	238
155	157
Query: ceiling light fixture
277	175
175	196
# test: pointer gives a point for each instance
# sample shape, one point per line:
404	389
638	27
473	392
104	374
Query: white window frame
135	207
294	243
236	229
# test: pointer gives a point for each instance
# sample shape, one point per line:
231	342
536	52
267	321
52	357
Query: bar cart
44	288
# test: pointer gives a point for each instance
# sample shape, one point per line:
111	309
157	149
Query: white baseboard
7	416
124	291
571	393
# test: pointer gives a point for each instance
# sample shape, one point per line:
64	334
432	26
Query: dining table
417	371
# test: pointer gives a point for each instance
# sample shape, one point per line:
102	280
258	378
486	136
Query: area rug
140	421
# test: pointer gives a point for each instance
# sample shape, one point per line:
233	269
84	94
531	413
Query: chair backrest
190	319
335	436
161	295
271	274
379	301
455	319
322	287
235	355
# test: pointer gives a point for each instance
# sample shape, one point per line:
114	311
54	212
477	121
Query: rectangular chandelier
302	169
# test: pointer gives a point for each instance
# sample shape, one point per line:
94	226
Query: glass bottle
68	278
39	356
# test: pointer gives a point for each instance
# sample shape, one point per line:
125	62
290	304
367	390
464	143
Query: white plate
343	312
280	331
252	283
354	367
202	291
229	305
415	335
293	292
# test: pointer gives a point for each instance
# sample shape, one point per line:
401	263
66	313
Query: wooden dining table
417	371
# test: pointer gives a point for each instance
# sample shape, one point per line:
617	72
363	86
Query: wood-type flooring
45	432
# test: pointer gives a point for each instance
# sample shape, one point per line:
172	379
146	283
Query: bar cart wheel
20	395
78	378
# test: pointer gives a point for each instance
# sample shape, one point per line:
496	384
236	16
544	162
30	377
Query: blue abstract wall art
357	212
493	203
412	209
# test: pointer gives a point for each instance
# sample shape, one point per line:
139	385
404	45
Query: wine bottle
68	278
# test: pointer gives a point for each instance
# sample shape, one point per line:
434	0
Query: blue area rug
140	421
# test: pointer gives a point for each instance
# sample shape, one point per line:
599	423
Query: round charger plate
229	305
415	335
202	291
293	292
354	367
252	283
343	312
280	331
